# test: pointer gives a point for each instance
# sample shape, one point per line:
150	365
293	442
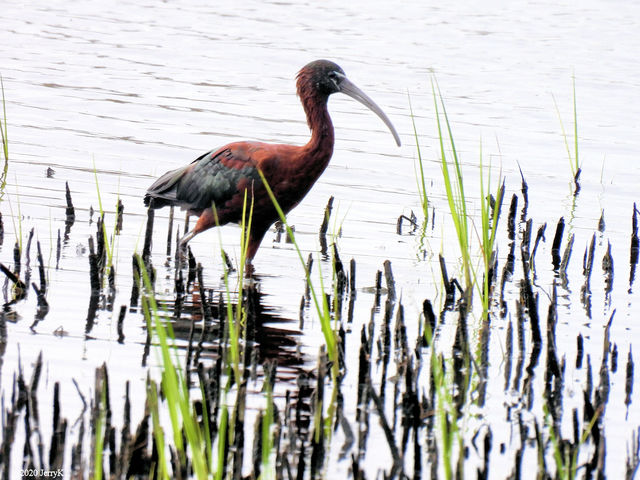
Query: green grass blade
422	186
4	133
325	321
158	431
575	129
222	440
108	246
235	318
572	161
267	423
99	433
454	190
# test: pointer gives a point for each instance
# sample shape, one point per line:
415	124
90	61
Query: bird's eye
334	77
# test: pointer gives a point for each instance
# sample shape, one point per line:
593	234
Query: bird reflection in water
199	318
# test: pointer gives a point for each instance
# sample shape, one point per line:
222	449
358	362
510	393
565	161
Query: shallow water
123	92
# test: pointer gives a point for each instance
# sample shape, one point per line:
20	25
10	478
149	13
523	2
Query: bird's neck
320	146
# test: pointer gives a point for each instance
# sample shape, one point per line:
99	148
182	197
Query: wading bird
220	177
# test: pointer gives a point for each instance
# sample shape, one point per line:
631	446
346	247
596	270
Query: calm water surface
129	90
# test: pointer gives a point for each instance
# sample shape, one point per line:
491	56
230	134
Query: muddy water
111	96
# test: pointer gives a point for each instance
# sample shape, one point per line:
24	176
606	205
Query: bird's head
321	78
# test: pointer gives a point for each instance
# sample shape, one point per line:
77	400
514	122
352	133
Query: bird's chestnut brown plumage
220	177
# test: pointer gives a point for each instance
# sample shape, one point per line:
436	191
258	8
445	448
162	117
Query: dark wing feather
212	178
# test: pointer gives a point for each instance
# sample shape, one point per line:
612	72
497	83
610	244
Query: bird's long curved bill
354	92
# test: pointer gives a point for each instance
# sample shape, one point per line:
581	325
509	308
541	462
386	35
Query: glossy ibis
220	177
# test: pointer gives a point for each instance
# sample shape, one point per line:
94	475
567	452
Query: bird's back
216	177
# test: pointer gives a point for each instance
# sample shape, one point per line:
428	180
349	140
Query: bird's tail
156	202
164	191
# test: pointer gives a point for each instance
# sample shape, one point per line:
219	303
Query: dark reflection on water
198	315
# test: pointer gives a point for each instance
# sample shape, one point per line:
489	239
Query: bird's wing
213	178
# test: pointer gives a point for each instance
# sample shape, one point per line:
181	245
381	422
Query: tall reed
420	174
236	318
490	207
4	133
99	432
454	186
574	162
451	409
109	245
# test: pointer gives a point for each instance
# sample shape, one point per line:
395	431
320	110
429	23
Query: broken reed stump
557	241
119	216
634	248
322	234
94	268
123	312
146	250
170	230
58	250
70	211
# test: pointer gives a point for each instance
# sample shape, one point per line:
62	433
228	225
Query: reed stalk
420	175
4	133
574	162
490	207
454	186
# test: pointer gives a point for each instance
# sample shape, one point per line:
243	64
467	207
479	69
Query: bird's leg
255	238
249	270
181	251
205	221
